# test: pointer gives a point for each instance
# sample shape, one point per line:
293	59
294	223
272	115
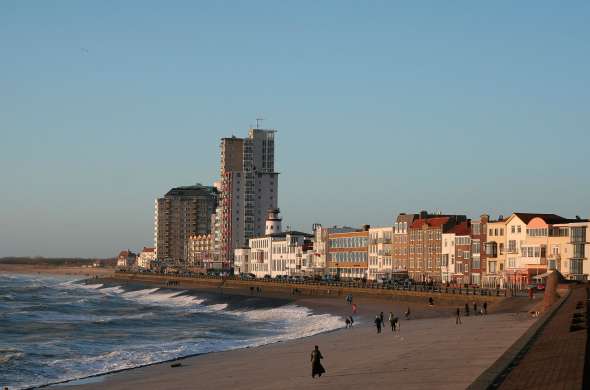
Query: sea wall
243	286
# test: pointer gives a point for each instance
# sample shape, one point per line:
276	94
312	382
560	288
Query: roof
291	233
462	229
126	253
432	222
146	249
194	190
549	219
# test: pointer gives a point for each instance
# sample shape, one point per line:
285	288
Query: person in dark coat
485	307
382	319
466	310
458	319
378	323
316	364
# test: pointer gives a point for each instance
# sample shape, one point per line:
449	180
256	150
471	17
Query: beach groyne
446	296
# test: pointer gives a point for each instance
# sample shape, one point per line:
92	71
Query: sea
55	329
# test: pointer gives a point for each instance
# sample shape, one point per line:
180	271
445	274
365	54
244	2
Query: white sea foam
163	298
112	290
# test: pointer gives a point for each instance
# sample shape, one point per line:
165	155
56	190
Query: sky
381	107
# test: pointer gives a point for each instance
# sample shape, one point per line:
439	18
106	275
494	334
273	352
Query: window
491	232
511	262
512	246
492	267
519	229
513	229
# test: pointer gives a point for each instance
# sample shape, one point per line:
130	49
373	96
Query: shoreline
334	305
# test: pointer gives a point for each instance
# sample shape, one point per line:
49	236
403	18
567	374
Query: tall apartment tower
249	188
181	213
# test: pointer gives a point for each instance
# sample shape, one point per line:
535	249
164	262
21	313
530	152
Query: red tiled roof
462	229
146	249
432	222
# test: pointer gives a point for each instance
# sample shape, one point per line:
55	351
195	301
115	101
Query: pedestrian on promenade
381	316
354	308
347	321
430	301
475	308
351	321
378	323
391	321
485	308
396	324
407	313
316	364
458	319
466	310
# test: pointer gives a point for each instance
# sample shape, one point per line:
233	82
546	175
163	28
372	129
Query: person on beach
391	321
382	318
407	313
430	301
378	323
475	308
458	319
316	364
485	308
466	310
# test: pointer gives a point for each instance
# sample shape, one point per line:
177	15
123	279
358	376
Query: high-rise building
249	188
181	213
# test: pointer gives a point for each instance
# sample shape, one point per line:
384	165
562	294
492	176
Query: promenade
556	358
427	353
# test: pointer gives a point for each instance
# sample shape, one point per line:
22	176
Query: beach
55	270
430	351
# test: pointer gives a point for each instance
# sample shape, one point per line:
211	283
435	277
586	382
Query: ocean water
54	329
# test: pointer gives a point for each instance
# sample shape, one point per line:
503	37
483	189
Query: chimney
423	214
366	228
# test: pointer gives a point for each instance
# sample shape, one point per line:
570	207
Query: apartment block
348	254
380	252
249	188
425	246
181	213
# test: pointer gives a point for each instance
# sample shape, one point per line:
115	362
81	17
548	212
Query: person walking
396	324
316	364
485	308
382	319
430	301
378	323
466	310
347	321
351	321
475	308
458	319
407	313
391	322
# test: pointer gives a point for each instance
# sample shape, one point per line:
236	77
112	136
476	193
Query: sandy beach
430	351
56	270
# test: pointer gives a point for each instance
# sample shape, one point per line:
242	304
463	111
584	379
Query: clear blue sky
381	107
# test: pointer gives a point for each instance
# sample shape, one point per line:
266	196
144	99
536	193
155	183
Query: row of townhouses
506	252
